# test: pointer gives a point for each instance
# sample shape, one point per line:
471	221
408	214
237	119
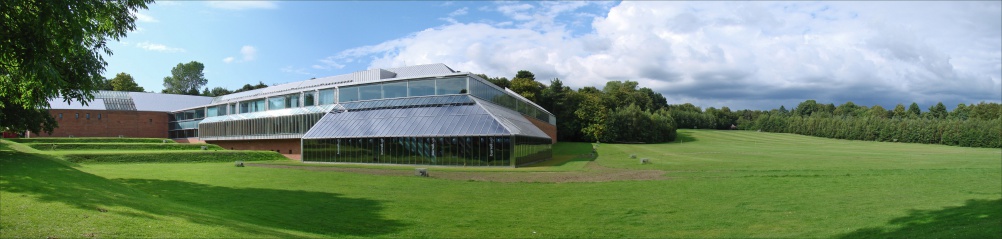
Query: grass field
715	184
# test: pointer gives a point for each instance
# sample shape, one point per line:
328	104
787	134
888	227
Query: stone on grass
645	161
633	156
423	172
239	163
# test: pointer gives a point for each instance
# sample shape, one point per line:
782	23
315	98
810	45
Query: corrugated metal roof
135	101
167	102
96	104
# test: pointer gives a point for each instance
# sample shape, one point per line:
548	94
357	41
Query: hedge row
175	157
968	133
93	140
120	146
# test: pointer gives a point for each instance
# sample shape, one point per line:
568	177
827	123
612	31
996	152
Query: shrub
120	146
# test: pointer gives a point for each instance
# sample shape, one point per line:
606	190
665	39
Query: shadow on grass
975	219
567	152
684	137
264	212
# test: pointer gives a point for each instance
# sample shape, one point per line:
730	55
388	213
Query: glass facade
432	130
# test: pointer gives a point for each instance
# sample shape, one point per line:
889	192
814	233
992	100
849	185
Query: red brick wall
284	146
547	128
112	123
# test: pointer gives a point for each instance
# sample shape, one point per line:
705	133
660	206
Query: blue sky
755	55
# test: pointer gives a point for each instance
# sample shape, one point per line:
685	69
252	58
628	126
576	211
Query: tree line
619	112
974	125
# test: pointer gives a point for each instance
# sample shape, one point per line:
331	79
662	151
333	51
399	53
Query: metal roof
134	101
166	102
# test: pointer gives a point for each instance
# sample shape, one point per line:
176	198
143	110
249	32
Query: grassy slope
726	184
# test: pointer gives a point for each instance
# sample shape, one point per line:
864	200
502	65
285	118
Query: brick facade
546	127
107	123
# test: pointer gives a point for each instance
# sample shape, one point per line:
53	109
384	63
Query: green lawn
717	184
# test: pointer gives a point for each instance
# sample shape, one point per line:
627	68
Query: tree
103	84
124	82
900	112
938	111
807	107
53	49
525	84
218	91
247	87
913	110
186	78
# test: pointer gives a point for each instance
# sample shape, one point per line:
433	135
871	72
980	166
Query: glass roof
457	115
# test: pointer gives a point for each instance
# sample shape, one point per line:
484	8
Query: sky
744	55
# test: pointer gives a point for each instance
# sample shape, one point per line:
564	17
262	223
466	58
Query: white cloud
247	53
158	47
145	18
242	5
743	55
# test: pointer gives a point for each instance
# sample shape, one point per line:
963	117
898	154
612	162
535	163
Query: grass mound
173	157
93	140
120	146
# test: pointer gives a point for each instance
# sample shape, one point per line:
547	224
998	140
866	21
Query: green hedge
175	157
92	140
120	146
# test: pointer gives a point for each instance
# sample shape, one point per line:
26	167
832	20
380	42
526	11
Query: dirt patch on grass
593	172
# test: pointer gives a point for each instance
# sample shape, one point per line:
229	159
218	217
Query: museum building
424	114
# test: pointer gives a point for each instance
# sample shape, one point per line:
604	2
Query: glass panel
348	94
309	100
370	92
200	113
451	86
327	96
292	101
421	87
258	105
276	103
395	89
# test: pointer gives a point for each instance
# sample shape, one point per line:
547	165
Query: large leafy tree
124	82
54	49
186	78
525	84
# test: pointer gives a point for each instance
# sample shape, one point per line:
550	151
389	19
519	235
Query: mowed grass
721	184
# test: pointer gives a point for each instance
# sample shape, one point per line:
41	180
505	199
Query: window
348	94
395	89
327	97
448	86
292	101
308	98
370	92
88	115
60	115
276	103
200	113
98	116
421	87
77	115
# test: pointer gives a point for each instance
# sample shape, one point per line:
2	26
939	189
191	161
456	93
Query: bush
120	146
175	157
